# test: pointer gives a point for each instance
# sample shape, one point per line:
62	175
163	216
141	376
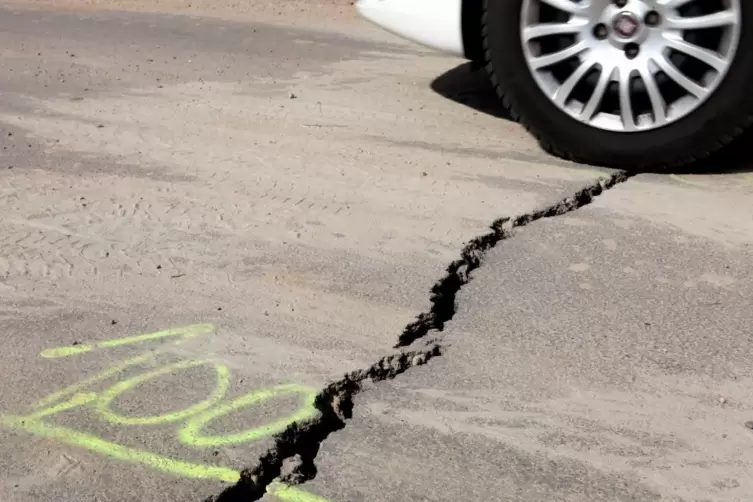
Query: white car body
577	91
437	24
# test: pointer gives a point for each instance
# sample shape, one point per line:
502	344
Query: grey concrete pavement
599	355
203	222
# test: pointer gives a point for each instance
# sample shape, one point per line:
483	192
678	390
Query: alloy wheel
629	65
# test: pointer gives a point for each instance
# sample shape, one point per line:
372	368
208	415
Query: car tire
720	119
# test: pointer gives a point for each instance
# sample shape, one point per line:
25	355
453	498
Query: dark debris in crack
292	457
458	273
302	440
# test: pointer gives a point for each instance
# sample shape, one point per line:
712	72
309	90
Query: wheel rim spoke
549	29
558	57
597	96
567	87
698	53
716	20
654	94
673	4
566	6
626	102
630	67
680	79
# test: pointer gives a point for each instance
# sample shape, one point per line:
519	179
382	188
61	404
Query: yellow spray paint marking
66	351
218	394
110	372
195	417
159	462
292	494
186	332
124	453
76	401
190	433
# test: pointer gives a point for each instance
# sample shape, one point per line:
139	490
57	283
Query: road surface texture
600	355
236	258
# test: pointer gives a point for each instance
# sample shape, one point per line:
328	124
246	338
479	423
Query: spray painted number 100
192	420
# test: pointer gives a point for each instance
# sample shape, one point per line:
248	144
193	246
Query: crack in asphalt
443	293
301	441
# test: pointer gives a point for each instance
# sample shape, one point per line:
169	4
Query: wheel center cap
626	24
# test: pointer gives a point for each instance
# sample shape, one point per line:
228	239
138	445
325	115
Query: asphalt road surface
242	261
